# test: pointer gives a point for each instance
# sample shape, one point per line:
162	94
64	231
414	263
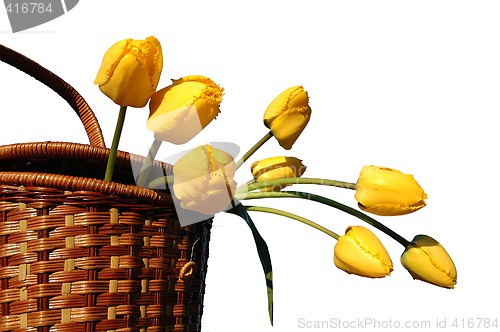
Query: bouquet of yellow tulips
203	179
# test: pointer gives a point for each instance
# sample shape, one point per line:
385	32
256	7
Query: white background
403	84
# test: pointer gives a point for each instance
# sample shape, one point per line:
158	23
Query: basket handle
58	85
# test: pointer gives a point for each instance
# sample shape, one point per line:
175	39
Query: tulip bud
360	252
277	168
130	71
203	180
181	110
288	115
388	192
427	260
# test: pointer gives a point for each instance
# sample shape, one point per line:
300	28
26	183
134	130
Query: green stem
253	149
114	145
161	182
148	162
284	181
293	216
263	251
329	202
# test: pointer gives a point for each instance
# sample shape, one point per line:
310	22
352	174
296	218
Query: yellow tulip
203	180
427	260
288	115
277	168
181	110
388	192
360	252
130	71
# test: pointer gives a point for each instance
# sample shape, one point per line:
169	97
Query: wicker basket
82	254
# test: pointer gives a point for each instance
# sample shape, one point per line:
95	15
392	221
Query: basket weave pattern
82	261
81	254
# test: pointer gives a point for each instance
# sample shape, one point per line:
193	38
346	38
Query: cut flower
360	252
130	71
277	168
288	115
203	180
427	260
181	110
388	192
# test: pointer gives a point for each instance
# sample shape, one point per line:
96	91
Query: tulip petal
288	127
203	180
130	71
178	126
428	261
111	59
180	111
360	252
277	168
154	63
123	82
287	115
388	192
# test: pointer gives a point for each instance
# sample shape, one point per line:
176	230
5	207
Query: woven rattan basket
81	254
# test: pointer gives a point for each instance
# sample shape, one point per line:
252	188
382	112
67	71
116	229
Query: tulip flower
388	192
288	115
181	110
130	71
360	252
277	168
203	180
428	261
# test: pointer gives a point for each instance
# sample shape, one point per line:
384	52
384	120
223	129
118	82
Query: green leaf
263	252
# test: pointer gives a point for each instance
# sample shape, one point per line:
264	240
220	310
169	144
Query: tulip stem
114	145
148	162
161	182
329	202
247	187
293	216
253	149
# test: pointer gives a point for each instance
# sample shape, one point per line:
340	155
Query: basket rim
49	150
